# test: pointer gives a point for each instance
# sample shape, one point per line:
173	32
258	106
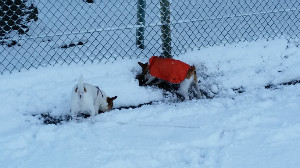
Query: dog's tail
80	88
80	80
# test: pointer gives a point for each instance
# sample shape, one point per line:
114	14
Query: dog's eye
84	89
76	89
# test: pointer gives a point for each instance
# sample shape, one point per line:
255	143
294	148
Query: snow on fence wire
39	33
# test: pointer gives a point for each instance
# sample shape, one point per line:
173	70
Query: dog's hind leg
195	84
186	83
74	110
184	88
196	89
93	110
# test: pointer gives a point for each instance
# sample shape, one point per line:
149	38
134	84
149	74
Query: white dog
87	98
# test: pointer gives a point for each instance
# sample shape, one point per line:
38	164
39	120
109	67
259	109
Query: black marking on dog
98	90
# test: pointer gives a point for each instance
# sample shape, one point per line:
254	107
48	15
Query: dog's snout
80	96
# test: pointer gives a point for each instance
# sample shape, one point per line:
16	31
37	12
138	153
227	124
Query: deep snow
258	127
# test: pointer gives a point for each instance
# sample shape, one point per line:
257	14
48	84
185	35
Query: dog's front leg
93	111
96	109
159	81
92	115
151	78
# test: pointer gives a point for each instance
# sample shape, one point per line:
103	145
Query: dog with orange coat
172	71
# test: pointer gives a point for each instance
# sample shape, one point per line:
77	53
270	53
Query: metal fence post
165	28
141	7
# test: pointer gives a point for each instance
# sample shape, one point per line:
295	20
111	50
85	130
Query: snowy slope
258	127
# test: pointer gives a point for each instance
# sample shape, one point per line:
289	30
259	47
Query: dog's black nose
80	96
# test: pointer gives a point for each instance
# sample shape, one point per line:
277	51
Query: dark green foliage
15	15
90	1
73	44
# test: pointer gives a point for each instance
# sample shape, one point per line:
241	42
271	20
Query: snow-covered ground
258	127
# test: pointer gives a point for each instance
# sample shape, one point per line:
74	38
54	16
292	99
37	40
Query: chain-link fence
36	33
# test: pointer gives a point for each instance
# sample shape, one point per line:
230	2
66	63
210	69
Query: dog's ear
110	102
112	98
145	67
142	65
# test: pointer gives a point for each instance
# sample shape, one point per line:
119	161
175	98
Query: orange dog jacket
168	69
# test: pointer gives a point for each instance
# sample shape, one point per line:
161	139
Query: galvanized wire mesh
39	33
